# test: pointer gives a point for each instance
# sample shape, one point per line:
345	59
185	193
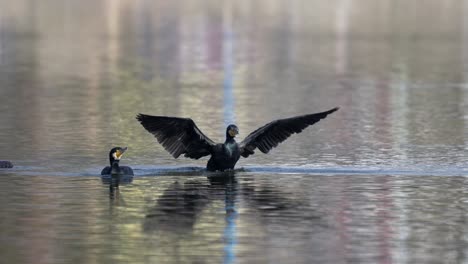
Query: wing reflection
179	207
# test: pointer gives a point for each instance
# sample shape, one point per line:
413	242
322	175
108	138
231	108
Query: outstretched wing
270	135
177	135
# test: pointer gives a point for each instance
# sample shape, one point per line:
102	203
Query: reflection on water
378	182
249	218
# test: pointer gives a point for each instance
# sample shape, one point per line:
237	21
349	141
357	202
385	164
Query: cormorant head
232	131
116	153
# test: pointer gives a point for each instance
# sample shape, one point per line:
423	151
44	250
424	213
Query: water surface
380	181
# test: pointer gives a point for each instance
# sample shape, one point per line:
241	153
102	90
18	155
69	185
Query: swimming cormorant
114	169
5	164
181	136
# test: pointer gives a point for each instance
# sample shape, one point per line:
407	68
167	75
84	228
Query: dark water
383	180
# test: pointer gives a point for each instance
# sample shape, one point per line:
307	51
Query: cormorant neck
115	169
229	139
113	161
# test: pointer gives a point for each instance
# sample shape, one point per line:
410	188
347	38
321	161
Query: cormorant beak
233	132
120	152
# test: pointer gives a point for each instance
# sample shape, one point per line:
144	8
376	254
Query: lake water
383	180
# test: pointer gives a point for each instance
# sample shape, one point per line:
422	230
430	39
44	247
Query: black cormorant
114	169
181	136
6	164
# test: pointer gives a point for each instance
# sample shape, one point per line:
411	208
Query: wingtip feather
139	117
333	110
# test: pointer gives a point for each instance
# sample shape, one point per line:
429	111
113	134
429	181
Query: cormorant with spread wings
181	136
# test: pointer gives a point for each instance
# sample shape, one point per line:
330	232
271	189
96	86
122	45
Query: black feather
181	136
125	170
270	135
177	135
6	164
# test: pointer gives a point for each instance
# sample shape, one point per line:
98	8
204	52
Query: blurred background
74	74
380	181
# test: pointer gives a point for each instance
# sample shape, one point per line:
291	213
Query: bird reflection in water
178	215
114	192
115	182
178	207
181	203
230	229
